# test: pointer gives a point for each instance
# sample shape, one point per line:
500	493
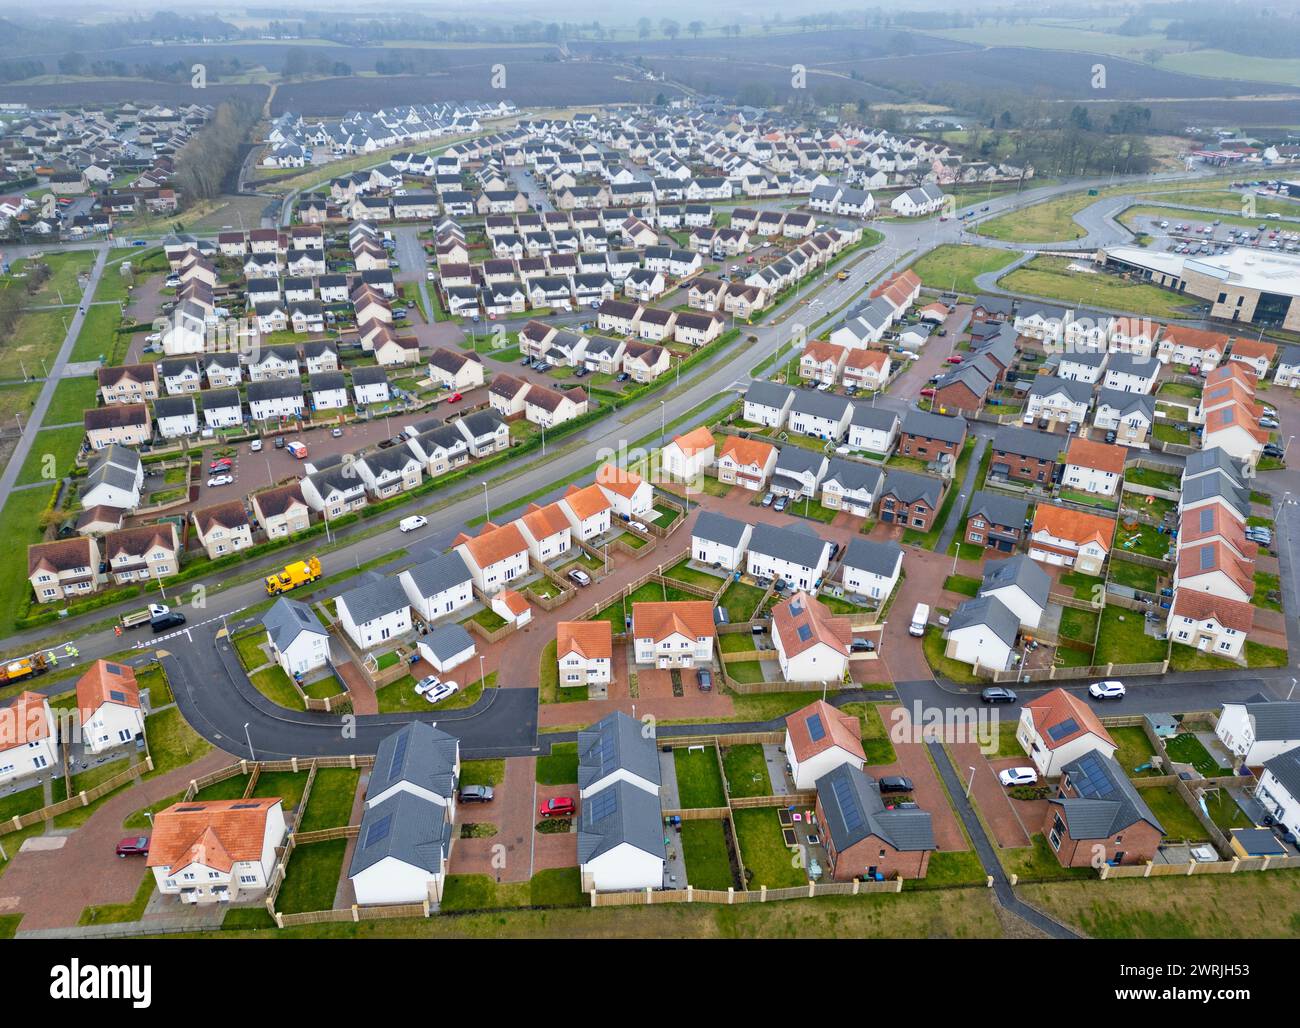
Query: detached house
495	557
1057	728
108	700
812	645
216	850
584	652
676	634
1064	537
374	612
818	739
1097	812
865	836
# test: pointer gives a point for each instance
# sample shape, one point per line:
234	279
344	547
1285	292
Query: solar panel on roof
114	669
117	694
604	805
1207	519
245	806
1067	727
188	810
378	831
805	633
816	730
849	809
1090	777
399	755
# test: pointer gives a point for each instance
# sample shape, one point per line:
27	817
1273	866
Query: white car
430	276
1110	690
412	523
425	684
638	526
441	691
216	480
1018	776
255	446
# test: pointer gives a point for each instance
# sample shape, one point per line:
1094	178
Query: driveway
914	762
1011	821
506	856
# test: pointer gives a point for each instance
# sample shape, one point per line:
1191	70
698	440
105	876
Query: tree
695	28
643	27
72	64
670	28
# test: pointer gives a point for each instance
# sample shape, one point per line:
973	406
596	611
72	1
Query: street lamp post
249	739
487	511
970	782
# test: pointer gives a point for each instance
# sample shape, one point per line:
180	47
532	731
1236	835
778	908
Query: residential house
282	511
495	557
63	569
675	634
910	500
144	553
108	700
1058	728
795	555
374	612
1064	537
207	851
864	836
1021	585
584	652
812	645
296	639
1256	732
1024	455
1093	467
1097	814
767	403
982	632
995	520
818	739
438	586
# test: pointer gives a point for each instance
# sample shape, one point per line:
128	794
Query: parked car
255	446
134	846
1110	437
1018	776
476	794
455	398
997	694
1108	690
412	523
559	806
441	691
336	433
767	499
221	464
279	442
895	783
704	679
862	646
781	503
217	480
580	577
426	683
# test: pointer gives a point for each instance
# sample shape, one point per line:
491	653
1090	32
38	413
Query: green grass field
956	266
1050	278
97	338
72	398
53	455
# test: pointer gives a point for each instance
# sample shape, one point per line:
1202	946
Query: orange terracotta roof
214	833
106	682
802	622
839	729
1087	453
1231	372
695	441
1254	348
1204	558
586	501
657	621
1221	521
1181	335
543	522
822	351
747	451
1202	606
590	639
860	359
495	543
1078	526
514	602
619	480
26	721
1059	707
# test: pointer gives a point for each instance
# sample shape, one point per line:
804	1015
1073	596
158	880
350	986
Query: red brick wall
1027	469
1137	842
926	448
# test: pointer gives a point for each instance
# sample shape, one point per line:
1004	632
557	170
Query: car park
1107	690
558	806
412	523
1018	776
221	464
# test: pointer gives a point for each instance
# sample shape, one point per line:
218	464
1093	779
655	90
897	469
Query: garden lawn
330	803
560	767
949	868
21	518
1125	642
875	736
746	770
1079	625
98	335
1133	750
740	601
72	398
699	781
963	584
1037	862
275	685
693	576
287	785
1185	748
312	877
172	742
1174	815
704	846
483	772
763	851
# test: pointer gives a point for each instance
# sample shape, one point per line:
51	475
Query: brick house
1097	813
931	436
995	520
910	500
865	838
1025	455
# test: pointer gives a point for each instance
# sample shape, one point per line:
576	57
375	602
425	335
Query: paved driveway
506	856
914	762
1002	814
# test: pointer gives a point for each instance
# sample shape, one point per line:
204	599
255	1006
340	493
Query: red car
455	398
221	464
954	359
927	392
134	846
560	806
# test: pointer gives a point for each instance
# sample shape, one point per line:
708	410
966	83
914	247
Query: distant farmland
110	91
728	78
528	84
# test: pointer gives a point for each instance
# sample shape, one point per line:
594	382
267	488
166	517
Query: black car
1272	450
1110	437
476	794
279	442
704	679
997	694
862	646
165	621
895	783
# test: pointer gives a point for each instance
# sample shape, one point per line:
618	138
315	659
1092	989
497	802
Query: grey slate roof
934	426
287	619
1286	769
1027	442
803	548
1047	385
620	813
1021	571
1086	358
819	405
1107	802
1212	486
867	416
173	406
854	810
445	571
909	487
1275	720
1134	364
405	827
869	555
768	394
372	600
795	460
853	475
989	611
999	508
448	640
419	754
1128	403
616	742
1216	458
718	528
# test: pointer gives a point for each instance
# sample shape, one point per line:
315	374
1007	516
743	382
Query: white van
920	617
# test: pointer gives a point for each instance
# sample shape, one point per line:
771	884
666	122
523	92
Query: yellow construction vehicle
300	572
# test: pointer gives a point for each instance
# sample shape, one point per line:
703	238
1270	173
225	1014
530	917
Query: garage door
1047	557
